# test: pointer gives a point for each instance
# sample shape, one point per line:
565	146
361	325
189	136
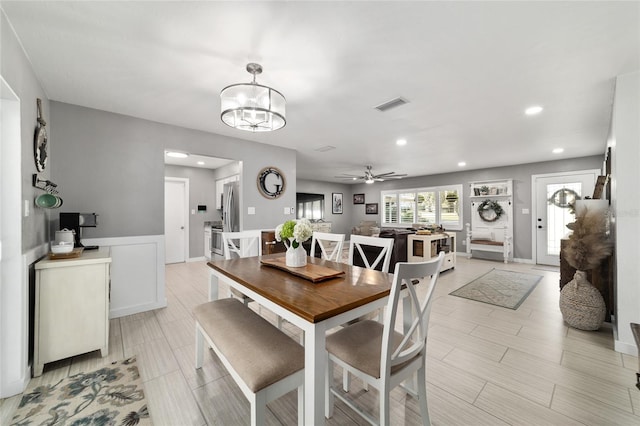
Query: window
425	206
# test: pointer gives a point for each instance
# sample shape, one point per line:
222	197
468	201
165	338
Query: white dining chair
239	245
381	356
356	243
330	245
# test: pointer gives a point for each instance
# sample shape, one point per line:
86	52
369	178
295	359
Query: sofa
398	254
368	228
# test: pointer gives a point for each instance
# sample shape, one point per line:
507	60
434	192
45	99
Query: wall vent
325	148
393	103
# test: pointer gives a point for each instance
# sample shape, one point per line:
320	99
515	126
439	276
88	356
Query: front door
554	192
175	217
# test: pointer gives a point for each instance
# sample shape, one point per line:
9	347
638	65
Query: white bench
486	240
264	361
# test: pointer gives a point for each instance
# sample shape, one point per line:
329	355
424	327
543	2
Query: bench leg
258	409
199	347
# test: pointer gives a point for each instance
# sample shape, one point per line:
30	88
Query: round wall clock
40	141
271	183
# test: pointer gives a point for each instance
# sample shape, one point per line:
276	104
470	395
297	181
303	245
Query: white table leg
213	286
314	374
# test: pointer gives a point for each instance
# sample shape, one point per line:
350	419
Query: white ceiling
468	69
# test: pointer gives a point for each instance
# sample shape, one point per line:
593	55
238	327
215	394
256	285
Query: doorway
176	219
13	293
553	193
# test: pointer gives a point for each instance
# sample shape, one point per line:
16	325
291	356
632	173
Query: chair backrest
242	244
408	276
386	244
327	241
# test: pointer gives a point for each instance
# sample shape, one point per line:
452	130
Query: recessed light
462	164
401	142
177	154
533	110
200	163
558	150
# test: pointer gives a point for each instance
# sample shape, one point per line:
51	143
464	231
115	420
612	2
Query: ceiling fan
369	177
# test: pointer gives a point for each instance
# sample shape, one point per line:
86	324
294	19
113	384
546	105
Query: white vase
295	257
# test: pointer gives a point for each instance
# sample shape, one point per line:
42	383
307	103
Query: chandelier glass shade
251	106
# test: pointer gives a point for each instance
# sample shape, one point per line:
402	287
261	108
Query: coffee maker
75	222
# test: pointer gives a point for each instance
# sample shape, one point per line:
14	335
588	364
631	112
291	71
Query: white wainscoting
137	273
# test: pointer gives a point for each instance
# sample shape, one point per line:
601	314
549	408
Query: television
310	206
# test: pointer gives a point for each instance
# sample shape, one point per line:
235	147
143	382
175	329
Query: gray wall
201	191
340	223
16	70
521	175
113	165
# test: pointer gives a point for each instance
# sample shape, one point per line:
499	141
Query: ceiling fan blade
386	174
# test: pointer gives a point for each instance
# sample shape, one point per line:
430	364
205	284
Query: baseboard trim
130	310
196	259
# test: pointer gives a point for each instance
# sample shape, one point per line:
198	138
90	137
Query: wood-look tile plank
459	383
524	384
8	407
603	370
516	410
452	322
535	347
222	403
142	329
173	311
171	402
630	362
605	392
447	409
468	342
509	327
634	394
179	333
588	410
155	359
212	368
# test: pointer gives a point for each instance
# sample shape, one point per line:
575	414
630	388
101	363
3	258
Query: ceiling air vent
325	148
396	102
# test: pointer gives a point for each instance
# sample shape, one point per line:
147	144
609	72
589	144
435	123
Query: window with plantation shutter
424	206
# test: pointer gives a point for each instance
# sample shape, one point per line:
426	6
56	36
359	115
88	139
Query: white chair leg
328	395
258	409
301	405
346	380
279	321
422	396
385	407
199	347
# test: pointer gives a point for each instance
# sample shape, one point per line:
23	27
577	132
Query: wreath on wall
490	210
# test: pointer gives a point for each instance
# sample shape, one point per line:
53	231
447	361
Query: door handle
182	227
539	226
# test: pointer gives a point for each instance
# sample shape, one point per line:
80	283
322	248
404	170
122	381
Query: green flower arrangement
296	231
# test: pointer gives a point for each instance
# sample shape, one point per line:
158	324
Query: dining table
315	305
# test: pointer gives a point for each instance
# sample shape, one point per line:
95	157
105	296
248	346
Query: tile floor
487	365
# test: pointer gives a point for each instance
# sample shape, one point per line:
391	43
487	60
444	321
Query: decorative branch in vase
293	233
581	304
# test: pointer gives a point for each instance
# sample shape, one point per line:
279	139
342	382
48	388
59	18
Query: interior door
175	217
553	195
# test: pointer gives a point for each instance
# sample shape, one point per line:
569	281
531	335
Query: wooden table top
314	302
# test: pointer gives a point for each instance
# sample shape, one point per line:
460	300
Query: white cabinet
71	307
421	248
220	188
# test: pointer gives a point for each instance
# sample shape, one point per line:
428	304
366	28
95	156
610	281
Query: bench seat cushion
487	242
259	352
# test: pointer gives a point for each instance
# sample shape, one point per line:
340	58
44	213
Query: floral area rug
501	288
112	395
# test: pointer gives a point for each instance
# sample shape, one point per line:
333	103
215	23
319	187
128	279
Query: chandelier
252	106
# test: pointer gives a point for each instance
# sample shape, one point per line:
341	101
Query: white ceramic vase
295	257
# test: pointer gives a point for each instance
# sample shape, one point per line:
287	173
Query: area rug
501	288
111	395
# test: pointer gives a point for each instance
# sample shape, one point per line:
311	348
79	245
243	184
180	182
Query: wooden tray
311	272
76	252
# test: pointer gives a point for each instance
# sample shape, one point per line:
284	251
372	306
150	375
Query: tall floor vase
581	304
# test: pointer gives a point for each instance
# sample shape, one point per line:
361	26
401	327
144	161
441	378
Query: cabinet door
72	311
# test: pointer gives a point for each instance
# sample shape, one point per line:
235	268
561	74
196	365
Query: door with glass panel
554	196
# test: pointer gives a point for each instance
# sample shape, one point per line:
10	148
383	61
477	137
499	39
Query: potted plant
581	304
484	190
